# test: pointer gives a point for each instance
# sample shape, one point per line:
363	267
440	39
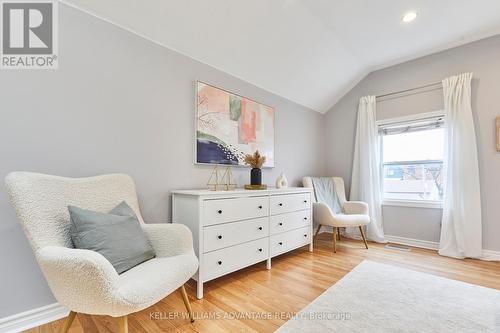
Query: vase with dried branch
256	161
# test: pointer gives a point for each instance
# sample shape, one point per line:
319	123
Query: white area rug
375	297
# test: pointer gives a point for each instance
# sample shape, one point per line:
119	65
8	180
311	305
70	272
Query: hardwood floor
295	280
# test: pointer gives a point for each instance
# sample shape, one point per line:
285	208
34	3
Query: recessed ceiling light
410	16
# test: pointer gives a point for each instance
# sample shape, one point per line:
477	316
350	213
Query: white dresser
235	229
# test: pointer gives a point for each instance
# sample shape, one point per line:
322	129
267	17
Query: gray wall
119	103
483	59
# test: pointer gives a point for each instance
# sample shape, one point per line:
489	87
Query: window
412	160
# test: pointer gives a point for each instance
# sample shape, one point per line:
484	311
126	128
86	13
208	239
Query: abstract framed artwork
229	126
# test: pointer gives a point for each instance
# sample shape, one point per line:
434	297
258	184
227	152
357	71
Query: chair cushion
350	220
151	281
118	235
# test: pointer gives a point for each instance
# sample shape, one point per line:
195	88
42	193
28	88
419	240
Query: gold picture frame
498	134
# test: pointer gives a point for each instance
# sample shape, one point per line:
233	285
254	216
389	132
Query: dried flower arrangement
256	160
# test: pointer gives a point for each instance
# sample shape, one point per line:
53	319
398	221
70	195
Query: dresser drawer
223	235
288	221
289	203
223	261
289	240
229	210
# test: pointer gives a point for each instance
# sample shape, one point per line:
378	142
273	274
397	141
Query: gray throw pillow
118	235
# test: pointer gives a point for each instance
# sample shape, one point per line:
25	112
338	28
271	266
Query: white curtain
365	180
461	231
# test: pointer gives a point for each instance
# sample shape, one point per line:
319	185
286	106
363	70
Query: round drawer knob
219	211
260	250
219	262
280	243
281	223
219	237
305	201
305	218
260	228
260	207
280	204
305	235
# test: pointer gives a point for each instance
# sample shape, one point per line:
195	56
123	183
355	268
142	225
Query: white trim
413	203
412	117
324	228
423	244
412	242
32	318
490	255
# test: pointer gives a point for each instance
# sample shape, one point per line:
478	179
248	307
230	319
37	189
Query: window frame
433	204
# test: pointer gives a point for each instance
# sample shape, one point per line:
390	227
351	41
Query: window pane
414	181
413	164
414	146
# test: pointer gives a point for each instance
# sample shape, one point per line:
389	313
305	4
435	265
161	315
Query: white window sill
413	203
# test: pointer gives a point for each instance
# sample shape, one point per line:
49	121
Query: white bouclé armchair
354	213
84	281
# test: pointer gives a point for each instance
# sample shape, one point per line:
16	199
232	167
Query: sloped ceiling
309	51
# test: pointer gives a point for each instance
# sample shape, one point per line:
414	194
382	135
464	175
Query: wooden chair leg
186	303
335	232
122	324
338	234
363	235
317	231
68	322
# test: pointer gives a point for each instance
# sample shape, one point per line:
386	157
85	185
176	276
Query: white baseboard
324	228
488	255
491	255
32	318
413	242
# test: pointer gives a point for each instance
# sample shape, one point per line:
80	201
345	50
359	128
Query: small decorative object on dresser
213	181
255	161
224	183
228	183
235	229
282	182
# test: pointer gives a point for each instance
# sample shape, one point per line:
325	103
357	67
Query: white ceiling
309	51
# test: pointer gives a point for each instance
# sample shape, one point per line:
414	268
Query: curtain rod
408	90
